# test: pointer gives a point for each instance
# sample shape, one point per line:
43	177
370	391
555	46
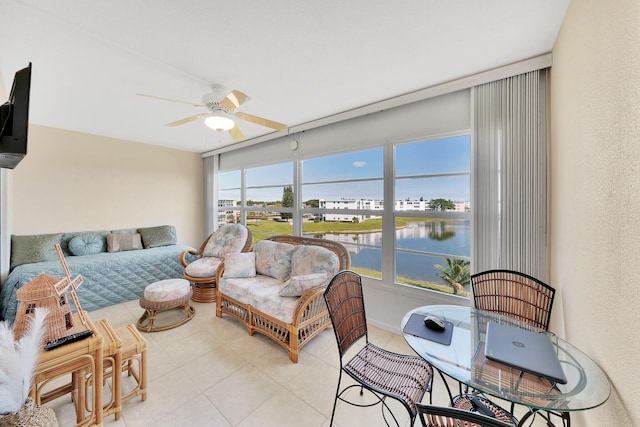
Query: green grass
412	282
263	228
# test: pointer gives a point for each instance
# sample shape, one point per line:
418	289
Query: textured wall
71	181
595	187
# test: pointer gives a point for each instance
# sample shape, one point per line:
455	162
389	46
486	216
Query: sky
412	162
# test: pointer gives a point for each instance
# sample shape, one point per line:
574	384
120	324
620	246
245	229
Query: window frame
389	215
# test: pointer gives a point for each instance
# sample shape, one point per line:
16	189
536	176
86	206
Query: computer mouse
434	323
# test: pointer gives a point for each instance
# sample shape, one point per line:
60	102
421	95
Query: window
432	214
267	205
341	197
343	201
229	197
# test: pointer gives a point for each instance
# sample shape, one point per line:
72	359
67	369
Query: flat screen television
14	121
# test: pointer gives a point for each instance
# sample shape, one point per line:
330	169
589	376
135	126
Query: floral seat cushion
261	292
203	267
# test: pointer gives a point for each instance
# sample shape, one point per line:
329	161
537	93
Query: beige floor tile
166	394
158	363
354	416
271	414
241	393
198	412
185	349
211	368
316	386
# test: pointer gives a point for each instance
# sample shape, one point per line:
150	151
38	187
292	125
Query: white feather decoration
18	361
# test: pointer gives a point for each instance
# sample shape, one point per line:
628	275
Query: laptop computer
525	350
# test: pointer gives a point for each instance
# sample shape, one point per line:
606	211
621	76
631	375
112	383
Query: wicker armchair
386	374
514	294
202	271
436	416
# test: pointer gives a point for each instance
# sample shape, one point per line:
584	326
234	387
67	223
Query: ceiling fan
222	112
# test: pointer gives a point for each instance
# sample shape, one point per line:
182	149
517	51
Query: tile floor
210	372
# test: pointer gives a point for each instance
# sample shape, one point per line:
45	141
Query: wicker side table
134	361
163	296
112	362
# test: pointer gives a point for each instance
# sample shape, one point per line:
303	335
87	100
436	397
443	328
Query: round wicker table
162	296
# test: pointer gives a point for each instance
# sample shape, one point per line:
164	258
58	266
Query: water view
435	237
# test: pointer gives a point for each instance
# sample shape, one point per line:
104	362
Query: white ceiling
297	60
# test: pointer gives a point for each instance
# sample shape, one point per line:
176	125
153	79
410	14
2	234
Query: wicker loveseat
277	288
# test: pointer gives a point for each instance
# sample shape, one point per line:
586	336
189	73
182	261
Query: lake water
449	238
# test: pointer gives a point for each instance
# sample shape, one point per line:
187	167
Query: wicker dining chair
384	373
514	294
475	403
437	416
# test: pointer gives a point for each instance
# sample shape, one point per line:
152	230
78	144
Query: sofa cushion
227	239
314	259
163	235
203	267
273	259
86	244
34	248
241	264
297	285
125	231
261	292
118	242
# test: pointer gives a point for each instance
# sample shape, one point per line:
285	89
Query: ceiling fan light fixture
219	121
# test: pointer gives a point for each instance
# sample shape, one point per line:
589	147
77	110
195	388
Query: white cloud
359	164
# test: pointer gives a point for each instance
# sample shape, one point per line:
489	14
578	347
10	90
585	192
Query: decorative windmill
50	292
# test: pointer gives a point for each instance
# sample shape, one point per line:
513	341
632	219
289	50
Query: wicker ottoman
163	296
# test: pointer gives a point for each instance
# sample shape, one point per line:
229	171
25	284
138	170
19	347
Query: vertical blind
510	174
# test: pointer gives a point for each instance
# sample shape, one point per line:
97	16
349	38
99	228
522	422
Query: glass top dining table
463	360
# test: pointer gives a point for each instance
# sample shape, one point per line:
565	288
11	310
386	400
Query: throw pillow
123	242
239	265
314	259
163	235
296	286
34	248
66	238
273	259
86	244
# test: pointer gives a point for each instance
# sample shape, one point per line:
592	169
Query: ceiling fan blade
234	99
236	134
187	120
169	99
260	121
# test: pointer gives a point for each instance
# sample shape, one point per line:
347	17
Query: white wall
71	181
595	195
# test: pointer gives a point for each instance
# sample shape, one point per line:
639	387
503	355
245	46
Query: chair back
345	304
229	238
437	416
514	294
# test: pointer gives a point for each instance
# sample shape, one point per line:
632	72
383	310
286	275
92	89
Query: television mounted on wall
14	120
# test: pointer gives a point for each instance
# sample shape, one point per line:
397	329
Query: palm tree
457	273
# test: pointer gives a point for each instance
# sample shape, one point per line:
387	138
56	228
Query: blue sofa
109	277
